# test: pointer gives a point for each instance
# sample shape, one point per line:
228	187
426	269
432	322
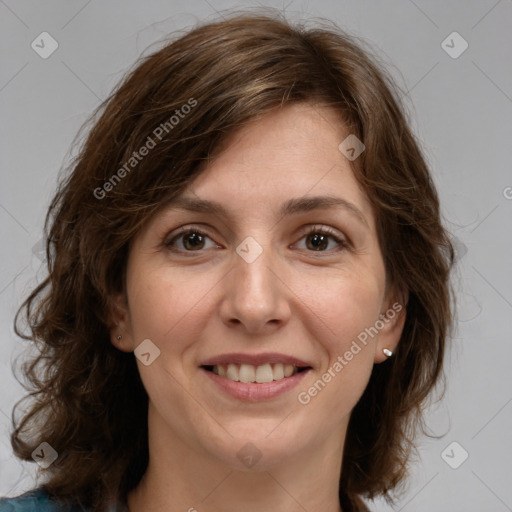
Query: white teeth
232	372
264	374
261	374
247	373
278	371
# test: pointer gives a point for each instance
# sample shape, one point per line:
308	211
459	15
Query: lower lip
255	392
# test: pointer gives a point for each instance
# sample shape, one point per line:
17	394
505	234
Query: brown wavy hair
86	398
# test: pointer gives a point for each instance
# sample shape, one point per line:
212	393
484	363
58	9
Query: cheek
344	308
351	354
165	302
167	307
342	305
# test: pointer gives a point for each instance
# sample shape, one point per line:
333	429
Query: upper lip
254	359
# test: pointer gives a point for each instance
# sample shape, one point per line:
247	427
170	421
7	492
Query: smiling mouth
260	374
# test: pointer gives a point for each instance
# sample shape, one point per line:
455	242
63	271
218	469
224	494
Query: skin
291	299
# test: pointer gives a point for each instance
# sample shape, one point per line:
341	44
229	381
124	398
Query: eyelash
321	230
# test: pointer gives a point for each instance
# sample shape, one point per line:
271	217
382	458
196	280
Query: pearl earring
387	352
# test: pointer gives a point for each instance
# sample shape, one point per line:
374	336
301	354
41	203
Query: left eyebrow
290	207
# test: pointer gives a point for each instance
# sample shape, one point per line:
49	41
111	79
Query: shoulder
36	500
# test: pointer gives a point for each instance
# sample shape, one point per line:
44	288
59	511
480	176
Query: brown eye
192	240
318	240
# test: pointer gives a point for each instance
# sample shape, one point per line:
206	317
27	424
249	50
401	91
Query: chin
257	445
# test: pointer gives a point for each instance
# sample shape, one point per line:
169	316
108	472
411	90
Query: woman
252	218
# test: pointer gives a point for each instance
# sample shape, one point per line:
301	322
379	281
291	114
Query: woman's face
261	289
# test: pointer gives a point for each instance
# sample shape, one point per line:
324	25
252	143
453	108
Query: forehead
287	154
285	164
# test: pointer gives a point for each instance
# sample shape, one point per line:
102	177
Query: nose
256	297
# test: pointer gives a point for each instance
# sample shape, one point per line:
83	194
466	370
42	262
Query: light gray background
462	112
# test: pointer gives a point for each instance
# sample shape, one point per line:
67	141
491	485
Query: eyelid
174	235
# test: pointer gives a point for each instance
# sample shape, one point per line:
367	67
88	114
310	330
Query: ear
120	323
392	320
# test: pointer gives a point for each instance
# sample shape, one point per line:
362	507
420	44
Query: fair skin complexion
205	300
